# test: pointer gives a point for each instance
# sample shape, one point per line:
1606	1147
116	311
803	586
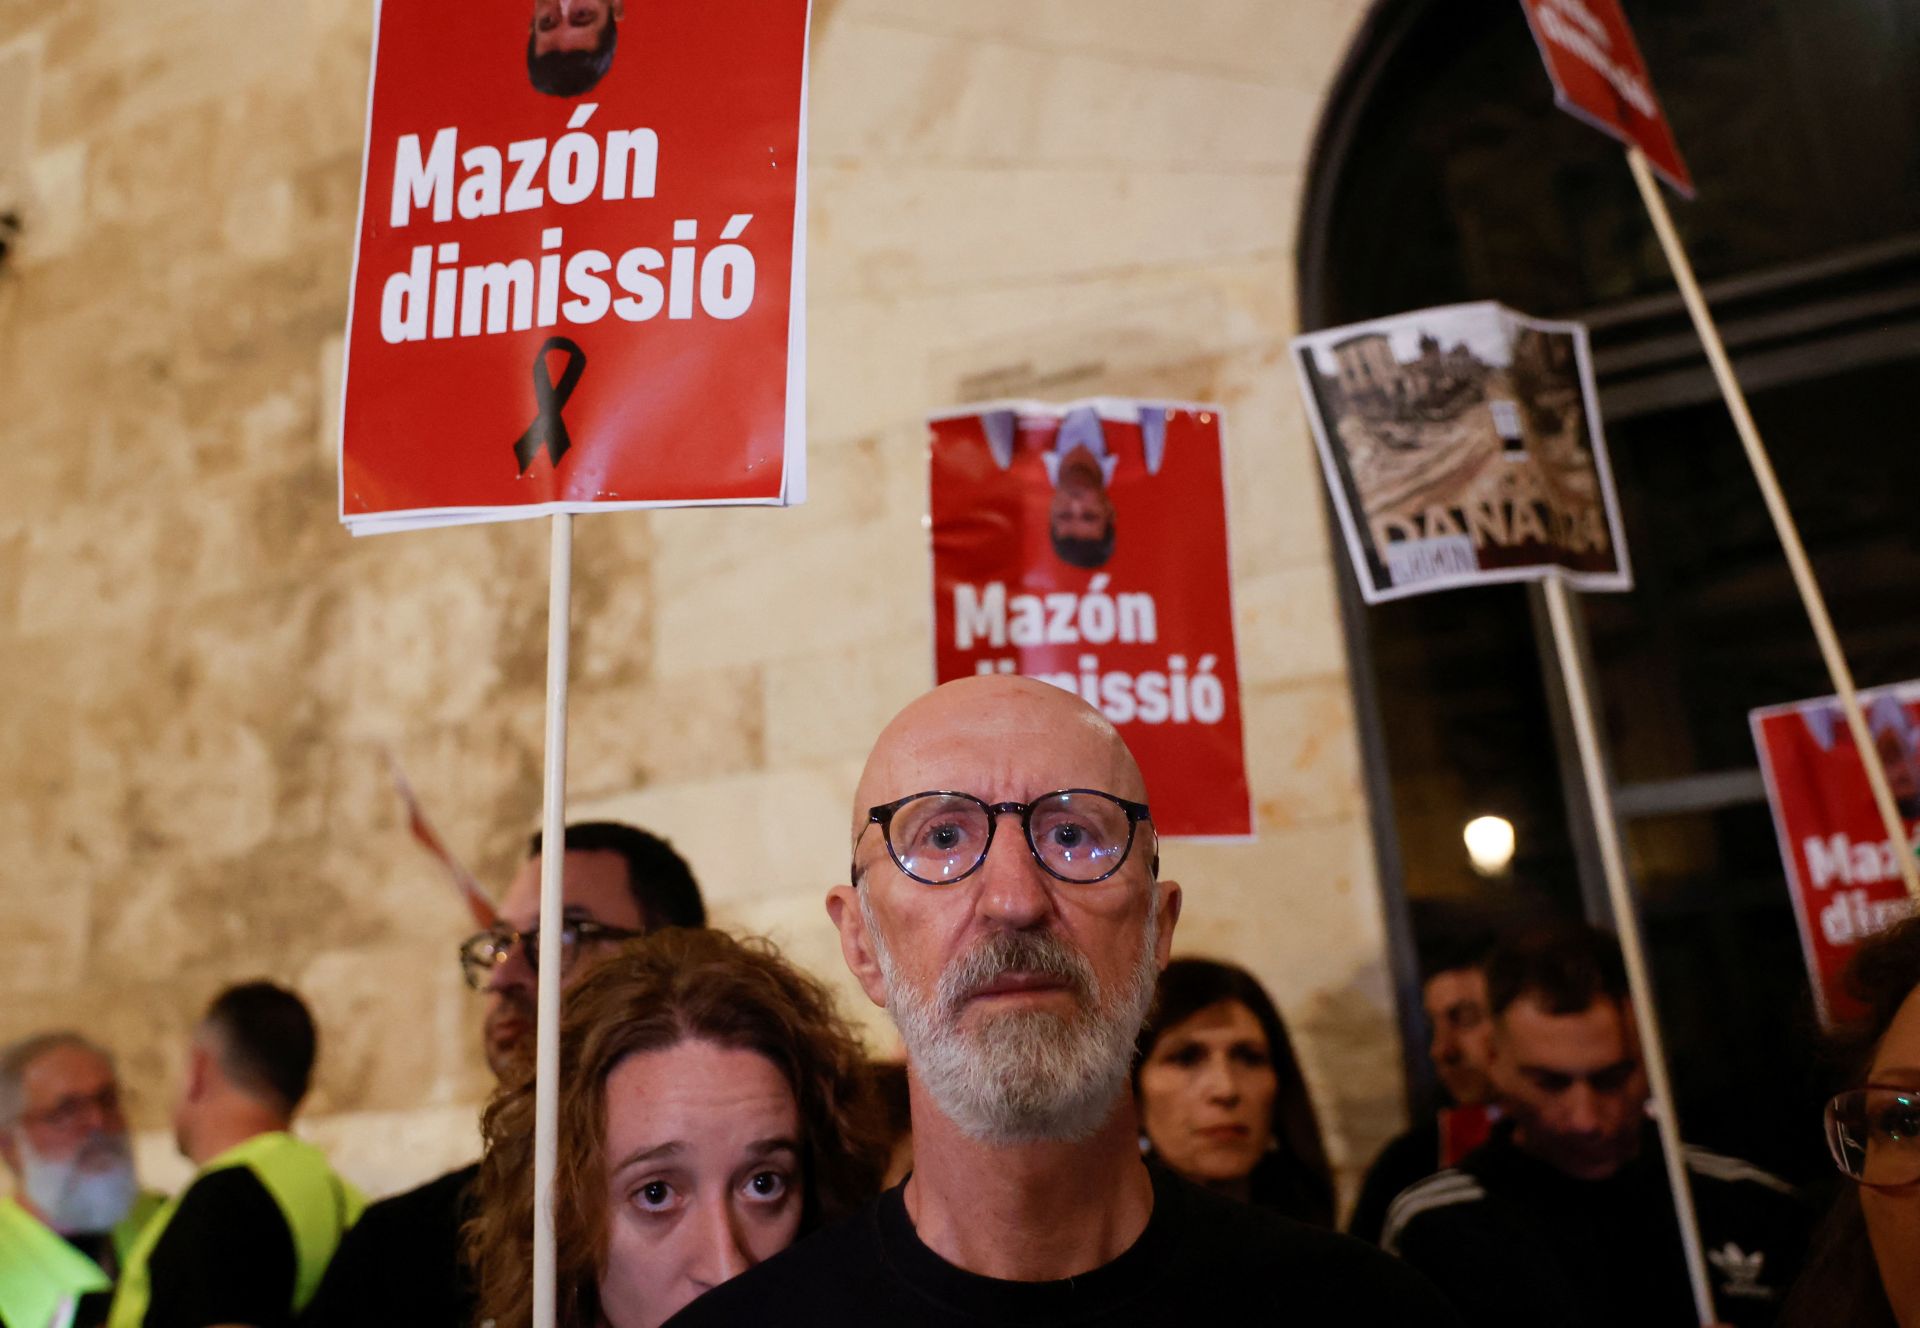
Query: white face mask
90	1191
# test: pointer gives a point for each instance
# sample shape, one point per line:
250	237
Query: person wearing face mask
78	1207
1865	1269
1222	1101
713	1107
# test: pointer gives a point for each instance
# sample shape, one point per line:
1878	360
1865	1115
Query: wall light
1489	844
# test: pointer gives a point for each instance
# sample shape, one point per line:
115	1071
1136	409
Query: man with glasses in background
1565	1216
77	1207
1006	907
401	1265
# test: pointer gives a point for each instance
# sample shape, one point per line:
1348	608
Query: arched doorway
1443	173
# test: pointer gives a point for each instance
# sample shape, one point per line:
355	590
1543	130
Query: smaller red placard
1842	869
1086	545
1599	76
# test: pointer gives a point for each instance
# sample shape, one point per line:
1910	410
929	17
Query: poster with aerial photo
1463	446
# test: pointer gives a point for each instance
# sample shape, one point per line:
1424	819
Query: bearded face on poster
570	44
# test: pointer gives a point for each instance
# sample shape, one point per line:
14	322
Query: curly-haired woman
713	1108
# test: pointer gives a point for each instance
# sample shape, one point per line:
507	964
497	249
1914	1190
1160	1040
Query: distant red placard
1599	76
582	297
1140	621
1842	869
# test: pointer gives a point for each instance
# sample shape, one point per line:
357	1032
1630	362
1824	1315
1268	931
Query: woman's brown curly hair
653	993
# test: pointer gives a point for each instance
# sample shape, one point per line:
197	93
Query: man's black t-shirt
401	1266
1201	1259
226	1257
1515	1243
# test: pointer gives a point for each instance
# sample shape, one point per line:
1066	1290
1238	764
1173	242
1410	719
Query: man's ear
1170	900
619	10
199	1072
10	1150
856	945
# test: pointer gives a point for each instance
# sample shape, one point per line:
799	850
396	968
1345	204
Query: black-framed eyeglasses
1874	1135
485	951
941	837
72	1110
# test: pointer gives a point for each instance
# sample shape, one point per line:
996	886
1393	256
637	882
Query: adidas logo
1741	1271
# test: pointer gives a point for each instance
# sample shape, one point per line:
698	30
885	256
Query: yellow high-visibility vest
40	1271
317	1204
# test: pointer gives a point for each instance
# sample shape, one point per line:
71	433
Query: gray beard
77	1200
1023	1076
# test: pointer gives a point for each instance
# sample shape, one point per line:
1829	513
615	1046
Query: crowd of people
1085	1129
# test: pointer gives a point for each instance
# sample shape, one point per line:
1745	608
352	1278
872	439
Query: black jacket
1512	1241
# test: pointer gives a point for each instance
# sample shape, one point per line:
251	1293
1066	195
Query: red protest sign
578	280
1087	545
1599	76
1841	867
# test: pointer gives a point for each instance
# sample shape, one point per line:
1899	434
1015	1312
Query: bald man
1006	909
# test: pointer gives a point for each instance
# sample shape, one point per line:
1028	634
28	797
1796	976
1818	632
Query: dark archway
1443	173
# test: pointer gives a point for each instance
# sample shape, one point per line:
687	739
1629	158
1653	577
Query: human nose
722	1252
99	1113
1218	1081
1013	890
1582	1110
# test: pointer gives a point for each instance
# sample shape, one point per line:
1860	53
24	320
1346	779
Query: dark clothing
1202	1258
1407	1160
90	1310
1514	1242
226	1257
400	1266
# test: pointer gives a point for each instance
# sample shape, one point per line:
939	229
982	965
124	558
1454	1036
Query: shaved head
1011	728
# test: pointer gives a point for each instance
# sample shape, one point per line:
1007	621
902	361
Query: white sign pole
1627	923
553	839
1783	523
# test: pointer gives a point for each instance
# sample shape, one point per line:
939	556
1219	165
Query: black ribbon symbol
549	427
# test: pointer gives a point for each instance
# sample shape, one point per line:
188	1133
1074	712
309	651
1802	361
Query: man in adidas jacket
1564	1217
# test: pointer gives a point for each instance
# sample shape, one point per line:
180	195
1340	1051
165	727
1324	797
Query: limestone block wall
1009	197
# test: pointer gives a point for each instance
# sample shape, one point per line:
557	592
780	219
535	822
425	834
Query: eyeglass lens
941	837
1875	1135
71	1111
490	949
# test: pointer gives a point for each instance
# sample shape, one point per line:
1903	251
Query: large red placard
1843	872
587	296
1087	545
1599	76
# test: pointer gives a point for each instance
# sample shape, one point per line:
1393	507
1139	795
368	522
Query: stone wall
1053	198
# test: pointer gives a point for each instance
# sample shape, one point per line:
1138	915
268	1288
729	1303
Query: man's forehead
594	883
66	1069
1598	1035
997	738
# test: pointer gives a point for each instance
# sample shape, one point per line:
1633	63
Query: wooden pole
1783	523
1626	921
553	837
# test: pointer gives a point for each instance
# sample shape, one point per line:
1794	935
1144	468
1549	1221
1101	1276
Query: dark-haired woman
1865	1270
1221	1098
713	1108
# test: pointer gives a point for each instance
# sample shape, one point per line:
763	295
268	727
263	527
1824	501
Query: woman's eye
654	1196
767	1185
1188	1056
1252	1057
